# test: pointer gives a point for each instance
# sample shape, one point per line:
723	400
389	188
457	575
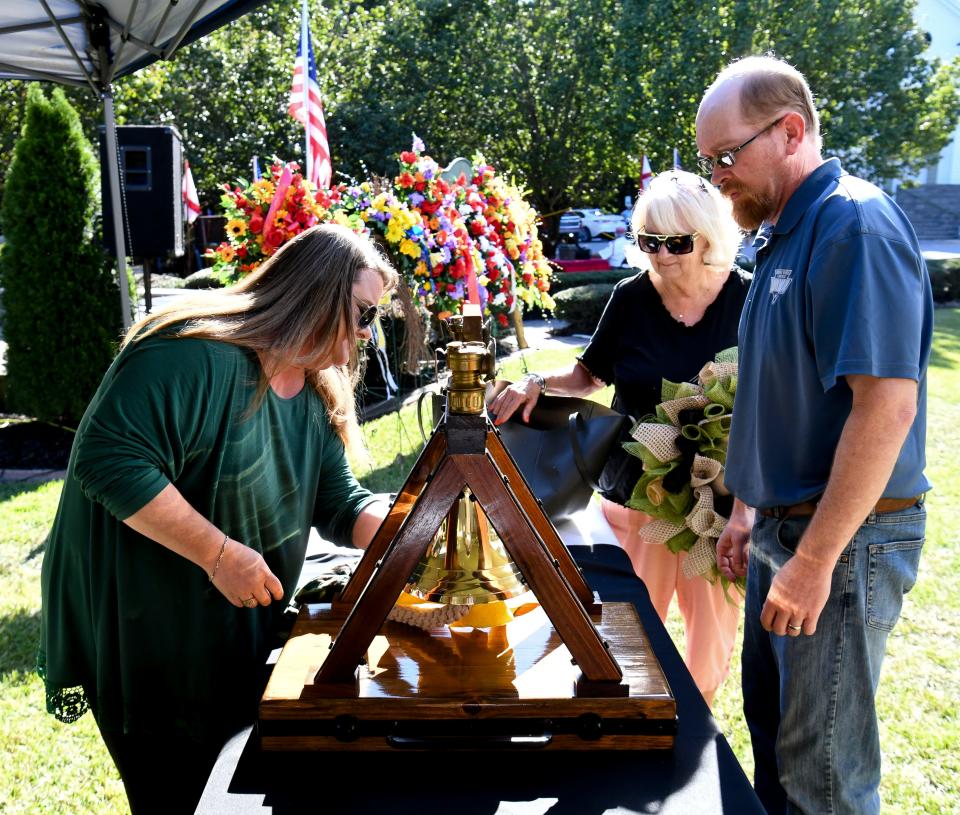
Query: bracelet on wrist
541	382
223	548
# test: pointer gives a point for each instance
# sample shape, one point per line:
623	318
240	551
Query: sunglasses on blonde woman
674	244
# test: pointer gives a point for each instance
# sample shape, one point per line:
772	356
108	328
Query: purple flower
458	294
418	146
445	251
416	199
484	296
428	173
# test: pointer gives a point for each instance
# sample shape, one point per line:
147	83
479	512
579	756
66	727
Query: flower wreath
683	448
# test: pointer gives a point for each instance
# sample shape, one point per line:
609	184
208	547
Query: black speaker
151	175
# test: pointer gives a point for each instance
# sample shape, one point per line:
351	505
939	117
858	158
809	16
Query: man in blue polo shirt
827	443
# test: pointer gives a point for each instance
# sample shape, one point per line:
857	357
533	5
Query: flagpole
305	64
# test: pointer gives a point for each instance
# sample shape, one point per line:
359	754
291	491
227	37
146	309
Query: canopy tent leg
113	169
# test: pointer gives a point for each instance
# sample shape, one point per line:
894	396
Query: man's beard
749	210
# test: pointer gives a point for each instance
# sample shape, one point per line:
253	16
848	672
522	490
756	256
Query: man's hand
733	545
797	596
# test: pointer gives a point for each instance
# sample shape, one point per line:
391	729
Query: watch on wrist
539	380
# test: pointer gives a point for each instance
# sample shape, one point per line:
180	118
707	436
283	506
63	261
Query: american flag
646	175
318	166
188	190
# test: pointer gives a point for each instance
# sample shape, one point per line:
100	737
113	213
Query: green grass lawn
53	768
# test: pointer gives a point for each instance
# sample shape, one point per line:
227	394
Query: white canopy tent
81	43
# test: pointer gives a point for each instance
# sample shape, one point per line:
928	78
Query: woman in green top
215	441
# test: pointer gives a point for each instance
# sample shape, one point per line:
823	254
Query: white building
941	20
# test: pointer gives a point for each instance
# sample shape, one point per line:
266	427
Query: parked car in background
588	224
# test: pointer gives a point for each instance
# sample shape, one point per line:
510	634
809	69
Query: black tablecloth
700	776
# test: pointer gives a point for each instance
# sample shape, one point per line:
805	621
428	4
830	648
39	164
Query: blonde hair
681	203
769	88
291	308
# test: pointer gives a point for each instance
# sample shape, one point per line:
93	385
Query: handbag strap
574	424
423	395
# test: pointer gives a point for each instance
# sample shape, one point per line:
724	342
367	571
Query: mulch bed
31	445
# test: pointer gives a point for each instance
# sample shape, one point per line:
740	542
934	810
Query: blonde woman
215	441
663	323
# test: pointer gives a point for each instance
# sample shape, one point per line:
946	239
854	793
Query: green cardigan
134	630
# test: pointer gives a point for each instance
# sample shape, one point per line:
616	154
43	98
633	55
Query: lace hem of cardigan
67	704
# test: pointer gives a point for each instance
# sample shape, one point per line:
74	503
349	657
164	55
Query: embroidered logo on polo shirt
779	283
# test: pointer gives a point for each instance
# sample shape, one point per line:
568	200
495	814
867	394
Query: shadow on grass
389	477
12	489
19	638
37	550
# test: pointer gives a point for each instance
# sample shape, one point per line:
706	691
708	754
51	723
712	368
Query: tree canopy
567	96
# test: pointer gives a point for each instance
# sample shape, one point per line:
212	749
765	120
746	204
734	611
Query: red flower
476	226
256	223
275	238
502	319
451	288
405	180
420	186
241	251
408	158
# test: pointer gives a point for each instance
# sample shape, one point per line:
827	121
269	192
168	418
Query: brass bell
466	562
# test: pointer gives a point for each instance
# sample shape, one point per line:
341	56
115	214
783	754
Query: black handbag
561	451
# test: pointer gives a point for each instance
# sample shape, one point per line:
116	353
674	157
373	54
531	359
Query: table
700	776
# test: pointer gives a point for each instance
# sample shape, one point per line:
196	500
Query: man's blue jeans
809	701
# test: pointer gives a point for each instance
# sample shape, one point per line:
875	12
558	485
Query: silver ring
794	627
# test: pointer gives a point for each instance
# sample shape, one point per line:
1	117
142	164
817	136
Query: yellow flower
421	269
236	228
226	254
263	190
394	232
408	247
341	218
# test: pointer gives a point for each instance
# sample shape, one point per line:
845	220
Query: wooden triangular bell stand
484	465
348	679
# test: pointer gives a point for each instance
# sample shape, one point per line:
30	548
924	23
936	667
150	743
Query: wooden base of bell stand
510	687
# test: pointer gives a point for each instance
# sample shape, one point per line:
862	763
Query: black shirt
638	343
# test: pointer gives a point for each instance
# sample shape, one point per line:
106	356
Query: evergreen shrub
945	279
582	306
61	316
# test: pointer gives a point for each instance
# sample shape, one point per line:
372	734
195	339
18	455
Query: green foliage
945	279
568	280
61	303
885	109
568	95
582	306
